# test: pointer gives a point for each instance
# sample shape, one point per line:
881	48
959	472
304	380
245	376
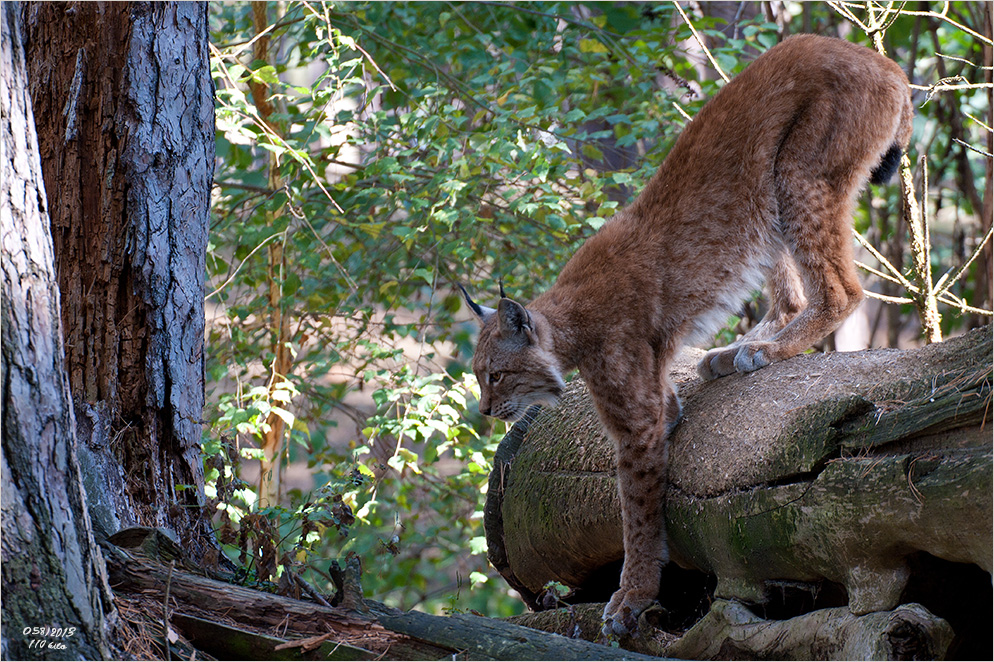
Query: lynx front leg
642	449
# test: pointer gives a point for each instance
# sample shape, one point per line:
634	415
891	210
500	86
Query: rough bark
845	470
124	102
54	585
235	622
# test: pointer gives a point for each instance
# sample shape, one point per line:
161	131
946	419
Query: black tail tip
887	166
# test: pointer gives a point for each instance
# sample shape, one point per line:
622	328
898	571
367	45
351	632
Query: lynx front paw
622	612
717	363
752	356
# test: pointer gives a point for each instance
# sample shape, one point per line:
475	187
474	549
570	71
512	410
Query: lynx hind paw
717	363
736	358
622	613
752	356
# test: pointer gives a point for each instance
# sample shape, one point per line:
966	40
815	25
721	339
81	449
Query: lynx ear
482	312
513	317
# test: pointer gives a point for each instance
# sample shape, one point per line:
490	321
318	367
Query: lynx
761	184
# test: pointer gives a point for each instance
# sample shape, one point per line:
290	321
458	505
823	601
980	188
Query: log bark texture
125	111
54	588
842	468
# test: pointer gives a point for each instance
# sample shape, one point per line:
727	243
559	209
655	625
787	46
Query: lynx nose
485	410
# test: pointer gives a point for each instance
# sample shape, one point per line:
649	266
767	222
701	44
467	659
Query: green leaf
478	545
266	74
276	149
574	116
592	46
287	417
592	153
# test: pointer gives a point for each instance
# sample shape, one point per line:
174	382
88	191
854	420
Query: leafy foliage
423	145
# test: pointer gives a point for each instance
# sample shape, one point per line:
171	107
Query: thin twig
974	149
884	261
299	214
886	298
874	28
963	60
942	87
877	273
980	122
682	112
842	8
954	301
241	264
309	590
700	41
966	264
950	83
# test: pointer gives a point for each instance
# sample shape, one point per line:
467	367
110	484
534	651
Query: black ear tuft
500	284
482	312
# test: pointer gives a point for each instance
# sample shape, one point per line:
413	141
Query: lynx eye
495	377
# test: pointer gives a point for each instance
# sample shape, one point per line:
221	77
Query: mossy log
852	471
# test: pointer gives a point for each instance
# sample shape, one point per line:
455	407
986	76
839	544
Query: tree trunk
859	478
985	263
270	489
124	101
55	587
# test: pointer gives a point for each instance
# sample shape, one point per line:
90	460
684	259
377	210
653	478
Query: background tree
125	120
55	588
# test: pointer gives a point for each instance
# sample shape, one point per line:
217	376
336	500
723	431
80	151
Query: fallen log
854	474
228	621
730	631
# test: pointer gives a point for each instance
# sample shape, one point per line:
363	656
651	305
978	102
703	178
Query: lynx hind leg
786	299
816	217
820	167
642	450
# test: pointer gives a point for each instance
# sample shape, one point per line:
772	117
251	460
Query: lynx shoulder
760	186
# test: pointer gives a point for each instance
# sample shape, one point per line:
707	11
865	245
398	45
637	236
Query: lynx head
514	362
